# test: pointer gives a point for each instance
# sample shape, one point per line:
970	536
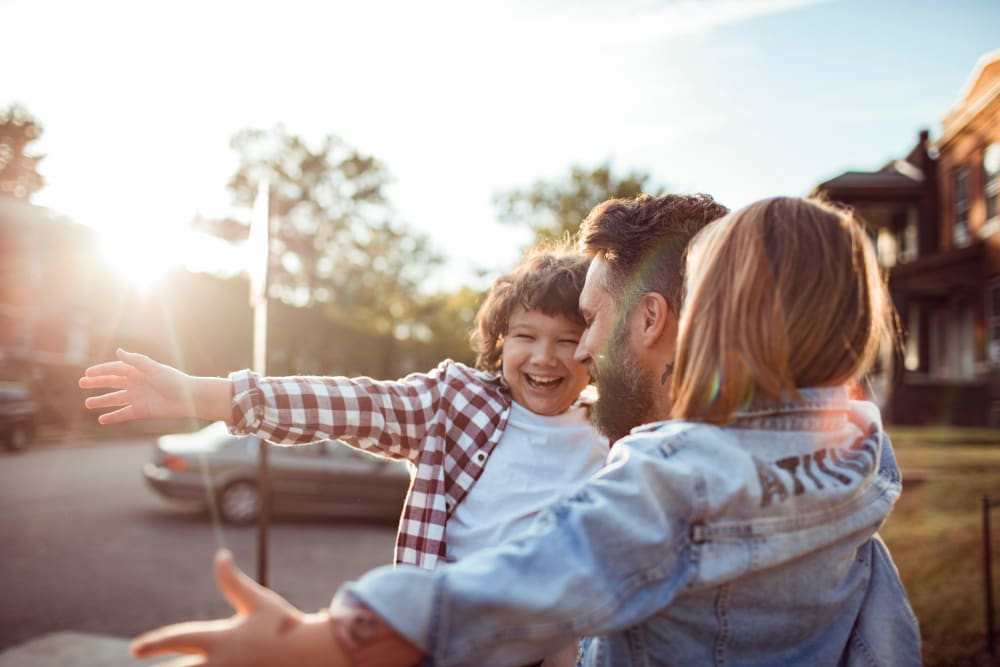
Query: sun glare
141	261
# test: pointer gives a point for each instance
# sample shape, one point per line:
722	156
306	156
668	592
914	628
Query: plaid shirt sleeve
387	418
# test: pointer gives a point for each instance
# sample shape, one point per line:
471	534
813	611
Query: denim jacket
749	544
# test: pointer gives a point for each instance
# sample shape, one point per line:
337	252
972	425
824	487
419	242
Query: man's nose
582	353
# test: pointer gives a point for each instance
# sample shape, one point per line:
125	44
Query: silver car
211	466
18	413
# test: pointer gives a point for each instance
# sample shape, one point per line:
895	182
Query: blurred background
413	151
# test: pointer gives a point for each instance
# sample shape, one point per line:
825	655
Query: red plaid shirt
445	423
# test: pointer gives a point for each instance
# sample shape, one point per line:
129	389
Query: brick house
934	217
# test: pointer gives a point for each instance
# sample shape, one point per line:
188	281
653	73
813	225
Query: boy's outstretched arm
146	389
265	631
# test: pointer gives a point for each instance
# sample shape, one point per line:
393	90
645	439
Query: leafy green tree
445	325
555	209
19	175
336	245
326	204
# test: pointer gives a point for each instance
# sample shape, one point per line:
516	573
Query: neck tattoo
667	372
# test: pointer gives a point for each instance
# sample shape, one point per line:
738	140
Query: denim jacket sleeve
594	563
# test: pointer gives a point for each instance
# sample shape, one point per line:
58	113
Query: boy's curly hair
549	279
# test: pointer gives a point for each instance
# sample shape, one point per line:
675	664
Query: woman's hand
266	630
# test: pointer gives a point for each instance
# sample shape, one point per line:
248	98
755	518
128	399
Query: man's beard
624	391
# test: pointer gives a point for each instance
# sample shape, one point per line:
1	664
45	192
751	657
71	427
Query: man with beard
635	278
630	303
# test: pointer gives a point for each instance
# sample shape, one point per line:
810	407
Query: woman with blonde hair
785	293
742	531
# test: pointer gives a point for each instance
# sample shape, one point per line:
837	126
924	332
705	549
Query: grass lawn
935	536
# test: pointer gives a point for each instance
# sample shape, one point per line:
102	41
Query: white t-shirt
537	461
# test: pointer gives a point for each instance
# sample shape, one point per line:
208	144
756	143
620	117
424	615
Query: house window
910	239
993	321
897	243
991	185
904	227
951	343
960	206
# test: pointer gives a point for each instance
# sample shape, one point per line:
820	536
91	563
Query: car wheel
239	502
19	437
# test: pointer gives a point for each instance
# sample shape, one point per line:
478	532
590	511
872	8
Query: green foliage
19	175
555	209
316	341
333	236
446	322
346	274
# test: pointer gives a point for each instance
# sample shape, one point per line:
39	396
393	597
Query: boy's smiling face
538	362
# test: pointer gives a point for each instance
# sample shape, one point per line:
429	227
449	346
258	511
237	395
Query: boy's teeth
539	379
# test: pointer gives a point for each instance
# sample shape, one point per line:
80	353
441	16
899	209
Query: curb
73	649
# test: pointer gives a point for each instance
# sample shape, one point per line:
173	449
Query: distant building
934	217
44	312
46	303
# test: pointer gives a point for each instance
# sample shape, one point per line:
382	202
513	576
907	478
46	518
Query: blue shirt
749	544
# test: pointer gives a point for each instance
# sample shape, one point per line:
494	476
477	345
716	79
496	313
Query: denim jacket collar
815	409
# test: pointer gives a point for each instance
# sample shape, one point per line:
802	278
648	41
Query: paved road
85	546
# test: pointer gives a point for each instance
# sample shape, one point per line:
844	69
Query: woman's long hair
783	294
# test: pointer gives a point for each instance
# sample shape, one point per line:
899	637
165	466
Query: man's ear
654	320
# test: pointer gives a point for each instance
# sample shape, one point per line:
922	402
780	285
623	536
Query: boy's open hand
265	631
146	389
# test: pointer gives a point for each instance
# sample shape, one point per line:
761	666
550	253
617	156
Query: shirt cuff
367	640
401	596
247	398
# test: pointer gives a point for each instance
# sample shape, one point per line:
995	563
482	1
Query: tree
335	243
325	203
19	175
446	323
554	209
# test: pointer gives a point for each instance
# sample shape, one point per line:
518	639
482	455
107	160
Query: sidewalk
73	649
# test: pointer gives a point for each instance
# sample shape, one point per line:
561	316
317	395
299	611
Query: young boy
448	423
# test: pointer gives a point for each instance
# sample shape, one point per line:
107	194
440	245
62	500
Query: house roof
980	91
898	177
979	81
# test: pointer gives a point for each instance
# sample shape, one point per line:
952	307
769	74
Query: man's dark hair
549	280
644	242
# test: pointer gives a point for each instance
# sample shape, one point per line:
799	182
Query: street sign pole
259	255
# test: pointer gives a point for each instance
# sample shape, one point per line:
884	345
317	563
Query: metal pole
262	520
988	579
259	257
263	478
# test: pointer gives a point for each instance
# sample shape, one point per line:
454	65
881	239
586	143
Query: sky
461	100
